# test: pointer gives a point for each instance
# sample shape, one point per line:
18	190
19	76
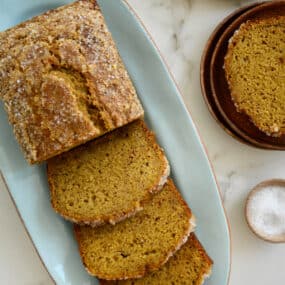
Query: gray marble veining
180	29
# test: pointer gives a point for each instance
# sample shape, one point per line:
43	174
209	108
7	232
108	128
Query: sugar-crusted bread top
255	70
62	80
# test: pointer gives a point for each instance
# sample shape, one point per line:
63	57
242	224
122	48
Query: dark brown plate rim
238	122
205	70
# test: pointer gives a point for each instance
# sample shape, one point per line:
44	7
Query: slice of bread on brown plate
255	71
108	179
140	244
189	265
63	82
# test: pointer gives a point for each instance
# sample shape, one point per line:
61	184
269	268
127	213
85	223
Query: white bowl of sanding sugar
265	210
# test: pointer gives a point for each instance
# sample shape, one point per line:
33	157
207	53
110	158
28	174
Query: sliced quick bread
190	265
140	244
108	179
62	80
255	71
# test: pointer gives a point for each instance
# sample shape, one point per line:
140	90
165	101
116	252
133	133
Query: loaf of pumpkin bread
62	80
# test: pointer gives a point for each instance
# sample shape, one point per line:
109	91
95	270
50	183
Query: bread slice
255	71
108	179
140	244
63	82
189	265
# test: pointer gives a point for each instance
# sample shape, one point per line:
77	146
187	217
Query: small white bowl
261	234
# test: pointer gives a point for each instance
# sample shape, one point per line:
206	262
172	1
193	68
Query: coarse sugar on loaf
62	80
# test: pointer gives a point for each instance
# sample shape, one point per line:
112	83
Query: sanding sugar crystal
266	211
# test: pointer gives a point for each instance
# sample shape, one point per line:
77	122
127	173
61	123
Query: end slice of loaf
255	71
62	80
108	179
189	265
140	244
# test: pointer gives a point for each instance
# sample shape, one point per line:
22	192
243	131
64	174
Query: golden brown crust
62	80
96	220
150	266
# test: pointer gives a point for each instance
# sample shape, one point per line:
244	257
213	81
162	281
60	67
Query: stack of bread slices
129	217
72	103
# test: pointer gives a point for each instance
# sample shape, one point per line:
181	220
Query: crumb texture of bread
187	267
255	71
62	80
110	178
140	244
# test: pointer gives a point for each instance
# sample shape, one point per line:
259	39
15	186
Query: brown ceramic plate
239	122
205	70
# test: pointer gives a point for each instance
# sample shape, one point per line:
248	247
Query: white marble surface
180	29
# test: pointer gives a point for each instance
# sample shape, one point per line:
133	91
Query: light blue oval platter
166	114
